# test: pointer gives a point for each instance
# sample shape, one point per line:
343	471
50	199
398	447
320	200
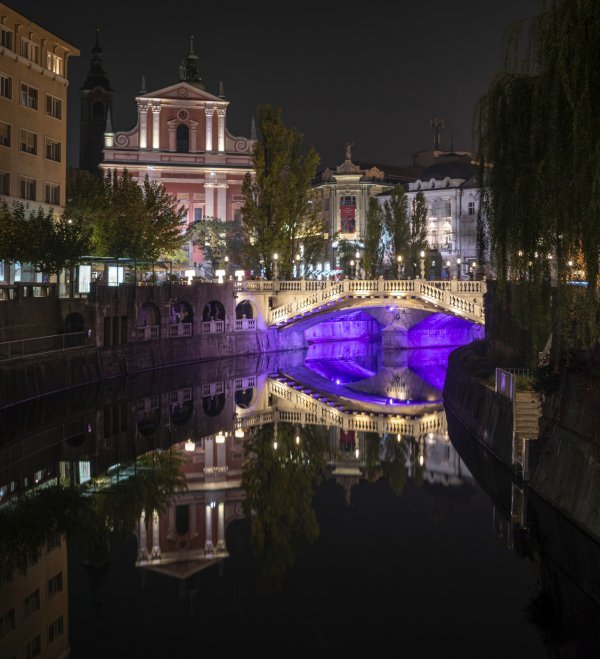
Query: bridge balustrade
213	327
180	329
245	324
148	332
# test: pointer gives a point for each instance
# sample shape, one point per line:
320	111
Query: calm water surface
324	504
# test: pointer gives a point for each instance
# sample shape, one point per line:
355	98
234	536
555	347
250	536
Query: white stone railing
464	298
245	325
213	326
180	329
148	332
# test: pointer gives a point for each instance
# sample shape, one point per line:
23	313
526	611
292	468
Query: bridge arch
213	310
245	309
181	312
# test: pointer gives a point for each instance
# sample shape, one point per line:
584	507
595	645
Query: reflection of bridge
301	406
294	300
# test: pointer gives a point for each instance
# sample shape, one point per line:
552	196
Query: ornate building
181	140
341	197
33	120
95	108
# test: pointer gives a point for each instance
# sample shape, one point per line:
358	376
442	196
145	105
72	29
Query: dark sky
374	76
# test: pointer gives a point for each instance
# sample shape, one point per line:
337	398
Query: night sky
375	76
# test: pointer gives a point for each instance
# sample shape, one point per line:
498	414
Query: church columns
142	540
221	127
156	125
193	136
209	200
143	121
222	202
221	527
209	127
155	534
172	134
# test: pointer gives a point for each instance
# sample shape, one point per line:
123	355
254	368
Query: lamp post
422	255
275	270
458	262
297	260
352	271
357	257
399	266
448	269
226	266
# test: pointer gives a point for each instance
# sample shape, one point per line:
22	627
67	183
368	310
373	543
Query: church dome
450	166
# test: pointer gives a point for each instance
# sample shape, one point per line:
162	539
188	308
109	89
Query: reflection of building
34	606
33	124
181	141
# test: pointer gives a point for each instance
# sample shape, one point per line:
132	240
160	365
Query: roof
451	166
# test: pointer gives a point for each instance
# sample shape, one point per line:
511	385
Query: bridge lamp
352	273
297	259
422	255
220	438
458	262
239	275
399	259
275	272
220	275
190	446
239	433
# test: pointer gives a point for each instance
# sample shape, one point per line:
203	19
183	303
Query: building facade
341	198
33	118
181	140
451	191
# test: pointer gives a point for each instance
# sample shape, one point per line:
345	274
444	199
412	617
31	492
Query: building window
198	214
183	138
5	133
54	63
52	150
5	85
347	200
28	142
31	603
27	188
30	50
53	106
33	648
55	585
6	37
5	183
448	209
7	623
29	96
52	194
471	208
56	629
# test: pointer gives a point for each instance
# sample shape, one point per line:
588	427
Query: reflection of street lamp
399	259
422	255
275	271
458	267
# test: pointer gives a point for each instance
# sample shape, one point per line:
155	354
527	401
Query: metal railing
42	344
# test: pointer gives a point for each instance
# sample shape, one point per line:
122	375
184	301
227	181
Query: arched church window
183	138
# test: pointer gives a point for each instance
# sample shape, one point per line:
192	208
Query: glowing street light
399	259
422	255
458	262
275	270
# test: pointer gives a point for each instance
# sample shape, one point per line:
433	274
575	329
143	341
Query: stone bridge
285	302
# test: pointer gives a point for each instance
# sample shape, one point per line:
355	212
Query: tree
417	241
373	252
397	226
126	219
537	128
277	216
219	239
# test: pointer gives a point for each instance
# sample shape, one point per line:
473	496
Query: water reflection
195	466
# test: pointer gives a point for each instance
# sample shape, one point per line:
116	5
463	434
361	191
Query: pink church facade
181	140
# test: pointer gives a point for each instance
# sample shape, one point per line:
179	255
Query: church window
183	139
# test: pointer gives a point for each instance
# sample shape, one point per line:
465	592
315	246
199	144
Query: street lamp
352	271
275	271
297	259
422	255
458	262
399	259
357	257
448	269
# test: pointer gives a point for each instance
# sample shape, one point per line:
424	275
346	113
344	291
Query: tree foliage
417	239
538	131
397	226
126	219
277	215
219	239
373	252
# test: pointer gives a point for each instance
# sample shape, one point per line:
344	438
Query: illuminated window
52	150
52	194
54	63
5	132
347	200
6	37
56	629
5	85
31	603
28	142
30	50
27	188
53	106
29	96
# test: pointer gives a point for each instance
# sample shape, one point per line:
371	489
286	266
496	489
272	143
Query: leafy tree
373	252
277	215
219	239
126	219
346	251
397	226
417	241
537	128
